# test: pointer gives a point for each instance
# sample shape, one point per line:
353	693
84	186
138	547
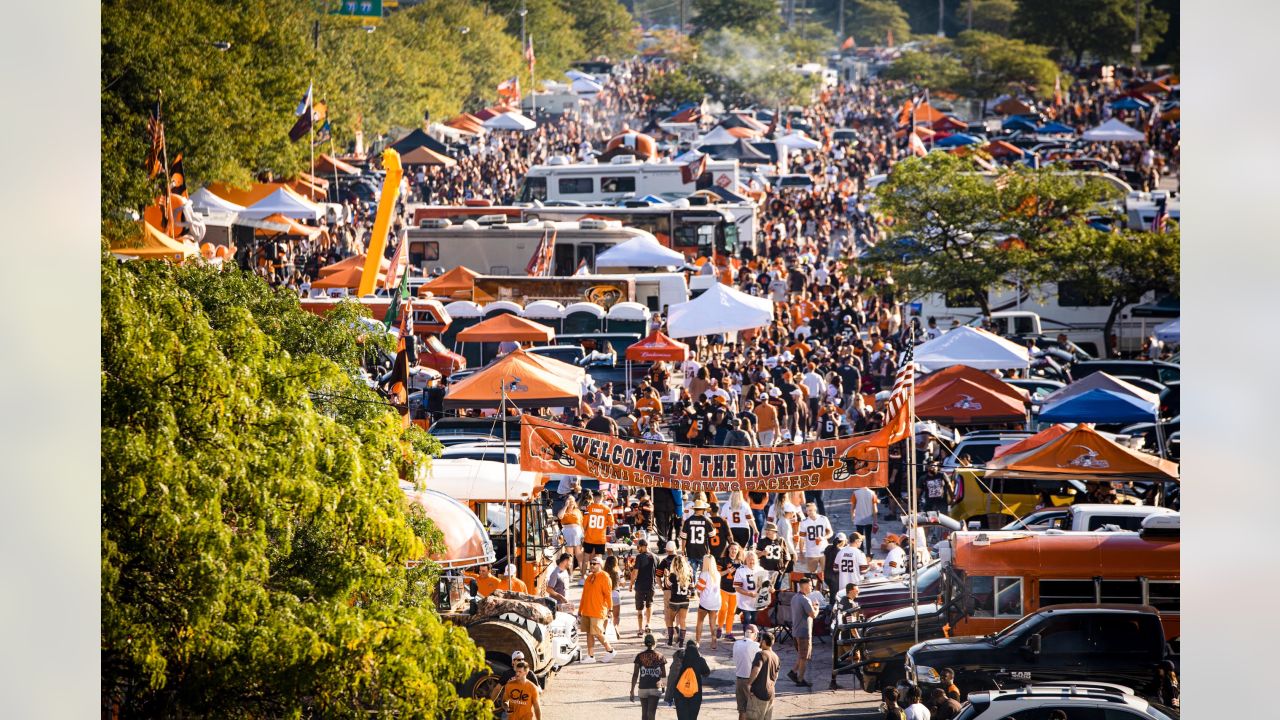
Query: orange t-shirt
519	697
597	595
571	517
648	405
486	585
599	519
766	417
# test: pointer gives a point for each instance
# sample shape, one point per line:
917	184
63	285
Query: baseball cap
510	570
596	560
671	546
841	537
517	655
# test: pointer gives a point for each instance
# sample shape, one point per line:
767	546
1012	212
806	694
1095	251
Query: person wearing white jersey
851	562
815	531
747	582
895	558
742	524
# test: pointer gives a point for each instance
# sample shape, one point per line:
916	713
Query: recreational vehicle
621	178
503	248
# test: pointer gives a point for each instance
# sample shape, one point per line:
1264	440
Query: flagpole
914	499
168	180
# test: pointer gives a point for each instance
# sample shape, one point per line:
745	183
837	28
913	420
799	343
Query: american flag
897	410
1161	222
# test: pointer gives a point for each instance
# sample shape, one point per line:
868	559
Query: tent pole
506	471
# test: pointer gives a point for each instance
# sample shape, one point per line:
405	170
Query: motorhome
655	291
623	177
695	230
1141	208
504	248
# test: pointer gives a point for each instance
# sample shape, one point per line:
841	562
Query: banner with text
855	461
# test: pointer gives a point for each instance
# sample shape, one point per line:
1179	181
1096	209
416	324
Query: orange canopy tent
743	132
457	283
467	122
938	381
1082	454
506	327
949	123
529	383
924	113
326	164
1049	434
964	402
355	261
244	197
294	227
345	278
1012	106
1000	148
155	245
923	131
423	155
658	347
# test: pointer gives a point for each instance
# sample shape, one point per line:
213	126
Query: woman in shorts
613	570
678	586
571	530
650	669
708	589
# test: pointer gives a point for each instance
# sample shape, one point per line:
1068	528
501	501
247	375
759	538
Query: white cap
511	570
671	546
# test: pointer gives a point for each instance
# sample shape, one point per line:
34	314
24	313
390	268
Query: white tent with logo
976	348
1113	130
640	252
285	202
510	121
721	309
205	202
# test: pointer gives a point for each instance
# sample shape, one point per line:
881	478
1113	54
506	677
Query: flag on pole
305	114
177	177
900	406
693	170
540	262
582	267
509	89
1057	90
399	381
889	37
398	299
1161	221
528	54
155	137
916	144
323	135
399	265
848	43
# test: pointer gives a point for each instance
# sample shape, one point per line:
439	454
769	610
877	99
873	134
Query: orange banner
855	461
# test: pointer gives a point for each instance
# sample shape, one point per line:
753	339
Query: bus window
587	254
423	252
995	597
617	184
1127	592
564	262
535	188
576	186
1063	592
730	238
1009	597
686	236
1164	595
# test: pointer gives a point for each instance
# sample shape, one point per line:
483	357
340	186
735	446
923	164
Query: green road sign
359	8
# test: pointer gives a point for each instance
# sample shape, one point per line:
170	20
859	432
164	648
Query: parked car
484	428
846	135
1089	516
1161	372
980	447
1100	701
1106	642
572	354
1038	388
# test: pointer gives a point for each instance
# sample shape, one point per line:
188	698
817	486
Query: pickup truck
1086	517
1104	642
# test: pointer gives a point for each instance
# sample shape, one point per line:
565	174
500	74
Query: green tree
605	26
993	65
927	68
746	15
1116	269
993	16
557	43
1102	28
808	42
674	88
873	20
741	68
955	231
254	539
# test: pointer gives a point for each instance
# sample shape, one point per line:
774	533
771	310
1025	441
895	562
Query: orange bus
1001	576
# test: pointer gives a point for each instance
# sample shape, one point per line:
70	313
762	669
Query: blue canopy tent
957	140
1018	122
1110	401
1055	128
1129	103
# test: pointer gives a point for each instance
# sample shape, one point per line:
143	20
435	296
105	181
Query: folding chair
780	615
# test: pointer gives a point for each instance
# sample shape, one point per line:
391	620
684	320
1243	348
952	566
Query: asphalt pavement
597	691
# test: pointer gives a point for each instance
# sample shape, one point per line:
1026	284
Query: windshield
1010	634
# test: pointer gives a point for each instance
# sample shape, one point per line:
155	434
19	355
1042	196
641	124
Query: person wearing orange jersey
521	697
595	607
599	519
486	581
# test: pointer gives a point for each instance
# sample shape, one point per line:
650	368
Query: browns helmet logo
556	448
858	461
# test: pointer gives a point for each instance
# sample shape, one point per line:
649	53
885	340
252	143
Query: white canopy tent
205	202
718	136
586	86
640	252
510	121
1113	131
720	309
799	141
285	202
976	348
1170	332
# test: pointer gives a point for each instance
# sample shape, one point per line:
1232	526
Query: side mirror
1033	644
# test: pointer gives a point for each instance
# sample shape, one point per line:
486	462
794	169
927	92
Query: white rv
695	230
1141	208
621	178
502	248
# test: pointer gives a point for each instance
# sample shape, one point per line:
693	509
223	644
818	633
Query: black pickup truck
1109	643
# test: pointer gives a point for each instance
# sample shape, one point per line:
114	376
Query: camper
655	291
621	178
504	248
695	230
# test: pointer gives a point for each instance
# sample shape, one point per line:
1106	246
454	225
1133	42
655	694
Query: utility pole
1136	48
840	32
941	10
524	10
681	17
970	14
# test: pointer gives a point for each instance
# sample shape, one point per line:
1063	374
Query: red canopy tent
949	123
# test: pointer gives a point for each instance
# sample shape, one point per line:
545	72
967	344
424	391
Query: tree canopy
606	28
954	230
255	542
674	88
741	68
980	65
1102	28
874	20
746	15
